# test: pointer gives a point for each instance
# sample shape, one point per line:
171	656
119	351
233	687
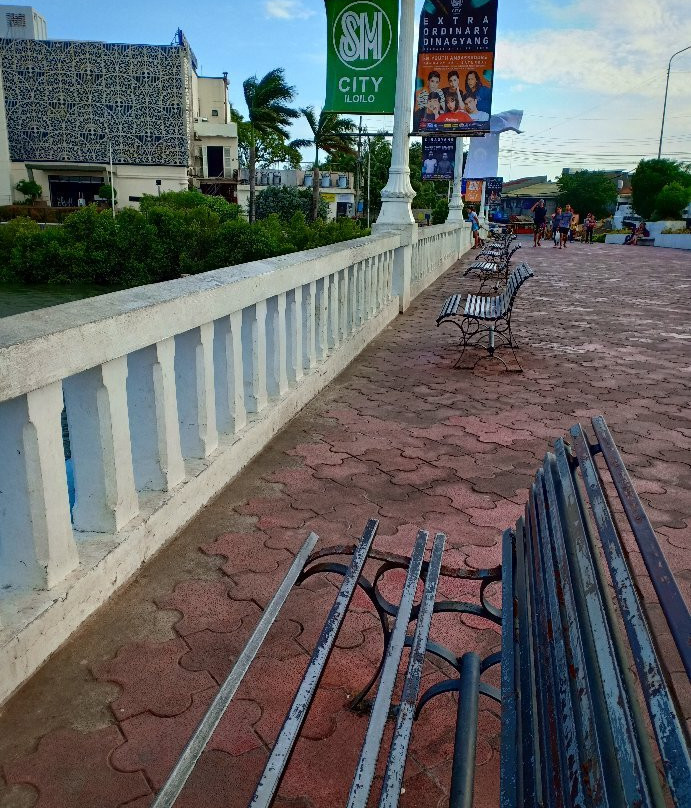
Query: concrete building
336	188
70	107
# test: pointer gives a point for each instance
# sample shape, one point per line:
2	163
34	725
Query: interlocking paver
154	743
152	679
73	769
404	437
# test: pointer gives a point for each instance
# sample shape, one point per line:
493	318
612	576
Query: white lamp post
664	108
398	193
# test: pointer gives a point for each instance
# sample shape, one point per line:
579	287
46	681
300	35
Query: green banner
362	55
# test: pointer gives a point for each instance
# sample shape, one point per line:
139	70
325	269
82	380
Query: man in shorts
539	212
565	226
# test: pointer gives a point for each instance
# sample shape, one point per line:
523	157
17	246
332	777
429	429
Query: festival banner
455	67
473	190
438	158
361	56
494	187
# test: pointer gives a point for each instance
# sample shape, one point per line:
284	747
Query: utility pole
664	108
112	187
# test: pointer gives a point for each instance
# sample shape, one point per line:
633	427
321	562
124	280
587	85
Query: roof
542	190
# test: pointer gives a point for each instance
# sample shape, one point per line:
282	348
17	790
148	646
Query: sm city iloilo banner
455	67
362	54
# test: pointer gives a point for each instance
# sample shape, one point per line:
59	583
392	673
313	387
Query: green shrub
286	201
172	235
671	201
440	212
31	190
106	191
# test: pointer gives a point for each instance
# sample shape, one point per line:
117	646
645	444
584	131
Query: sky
589	74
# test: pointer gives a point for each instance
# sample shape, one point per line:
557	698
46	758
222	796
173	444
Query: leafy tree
440	212
650	178
588	192
671	201
379	154
31	190
286	201
330	133
270	148
106	191
267	101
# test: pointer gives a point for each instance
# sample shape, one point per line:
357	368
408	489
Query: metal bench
572	726
486	315
492	265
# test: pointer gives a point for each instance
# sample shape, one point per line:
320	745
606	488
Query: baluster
194	379
153	417
380	281
254	356
37	547
344	304
98	421
277	376
295	335
309	330
228	373
322	312
334	316
364	308
352	297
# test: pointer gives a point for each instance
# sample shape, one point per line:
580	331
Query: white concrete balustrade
169	391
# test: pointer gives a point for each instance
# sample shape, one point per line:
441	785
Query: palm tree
267	101
329	133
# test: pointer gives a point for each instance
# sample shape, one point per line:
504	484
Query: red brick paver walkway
400	436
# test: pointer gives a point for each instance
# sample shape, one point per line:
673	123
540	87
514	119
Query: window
214	113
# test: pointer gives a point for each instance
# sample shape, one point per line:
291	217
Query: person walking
589	226
539	212
556	217
565	225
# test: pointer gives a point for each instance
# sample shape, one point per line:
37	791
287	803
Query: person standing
539	212
474	227
556	216
565	226
589	225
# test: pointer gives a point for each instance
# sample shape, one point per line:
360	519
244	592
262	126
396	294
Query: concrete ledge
35	624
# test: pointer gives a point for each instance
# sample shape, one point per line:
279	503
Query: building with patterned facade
72	108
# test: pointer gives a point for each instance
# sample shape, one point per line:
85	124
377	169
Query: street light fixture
664	108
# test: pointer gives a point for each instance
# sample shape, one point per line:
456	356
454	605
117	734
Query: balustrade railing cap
54	343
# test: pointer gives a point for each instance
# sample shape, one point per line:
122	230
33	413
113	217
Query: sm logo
362	35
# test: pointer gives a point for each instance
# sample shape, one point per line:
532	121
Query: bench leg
465	743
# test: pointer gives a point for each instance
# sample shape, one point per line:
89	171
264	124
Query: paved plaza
404	437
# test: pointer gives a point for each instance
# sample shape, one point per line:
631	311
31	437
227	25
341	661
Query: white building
335	188
68	106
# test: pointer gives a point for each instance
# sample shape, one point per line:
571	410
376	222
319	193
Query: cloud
287	10
599	46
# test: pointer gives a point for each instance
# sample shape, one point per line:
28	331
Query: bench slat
668	730
582	698
530	789
663	580
626	779
395	767
366	768
195	746
509	676
566	746
283	748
